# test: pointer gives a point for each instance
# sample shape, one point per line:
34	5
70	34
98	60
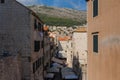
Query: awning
57	65
67	73
58	60
53	70
49	75
62	54
72	76
66	69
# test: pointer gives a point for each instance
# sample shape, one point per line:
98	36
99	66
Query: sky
74	4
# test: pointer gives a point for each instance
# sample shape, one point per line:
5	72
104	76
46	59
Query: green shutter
36	46
33	67
95	8
95	43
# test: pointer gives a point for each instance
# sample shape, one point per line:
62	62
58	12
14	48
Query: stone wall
80	46
14	28
10	68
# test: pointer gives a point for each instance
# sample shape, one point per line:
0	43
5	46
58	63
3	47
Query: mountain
59	16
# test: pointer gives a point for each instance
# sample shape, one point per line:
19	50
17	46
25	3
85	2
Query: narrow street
61	71
42	41
57	76
59	39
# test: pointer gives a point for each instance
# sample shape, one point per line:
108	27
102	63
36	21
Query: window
39	26
42	44
71	44
40	61
42	29
36	46
37	64
33	67
35	24
2	1
95	8
95	43
51	46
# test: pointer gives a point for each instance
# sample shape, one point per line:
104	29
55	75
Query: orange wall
104	65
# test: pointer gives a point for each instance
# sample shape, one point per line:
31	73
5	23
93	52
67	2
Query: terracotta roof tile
65	38
45	28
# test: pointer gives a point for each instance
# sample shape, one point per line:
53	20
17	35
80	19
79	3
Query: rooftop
64	38
81	29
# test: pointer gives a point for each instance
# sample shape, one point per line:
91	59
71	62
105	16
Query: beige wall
66	49
69	53
105	64
80	46
79	41
62	46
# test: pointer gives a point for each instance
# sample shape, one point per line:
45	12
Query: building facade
79	41
21	33
10	68
62	46
46	49
79	56
103	39
65	49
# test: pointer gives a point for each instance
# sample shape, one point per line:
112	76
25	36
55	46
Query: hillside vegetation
60	16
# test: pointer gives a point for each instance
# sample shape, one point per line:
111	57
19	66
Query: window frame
36	44
35	24
34	67
42	44
95	43
39	26
95	8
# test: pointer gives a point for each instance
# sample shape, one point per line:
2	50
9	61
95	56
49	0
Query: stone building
46	49
79	41
103	39
21	33
64	47
10	68
53	43
79	47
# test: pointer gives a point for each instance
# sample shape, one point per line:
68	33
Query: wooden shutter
95	8
95	43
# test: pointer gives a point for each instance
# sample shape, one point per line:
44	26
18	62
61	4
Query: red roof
45	28
65	38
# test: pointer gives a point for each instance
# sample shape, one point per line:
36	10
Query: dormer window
2	1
